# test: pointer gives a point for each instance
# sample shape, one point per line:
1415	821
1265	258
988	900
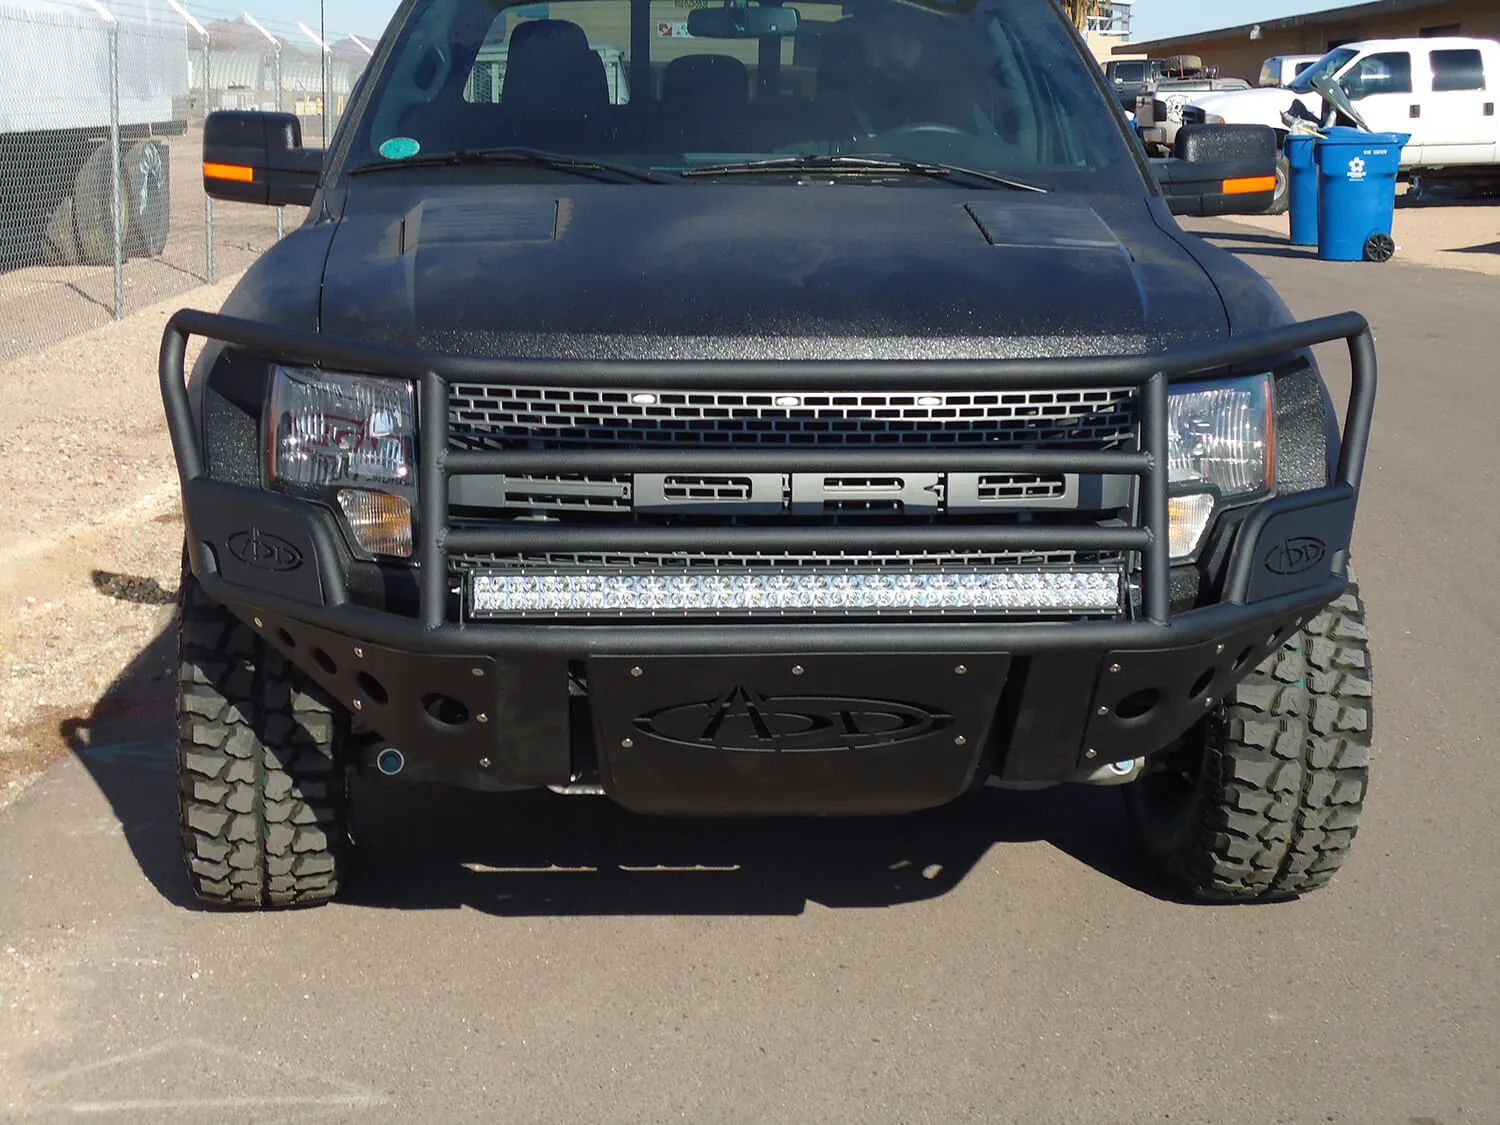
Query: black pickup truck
830	418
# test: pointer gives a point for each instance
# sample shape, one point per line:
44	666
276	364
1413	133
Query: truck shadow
541	854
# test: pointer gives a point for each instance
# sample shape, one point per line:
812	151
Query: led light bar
1076	591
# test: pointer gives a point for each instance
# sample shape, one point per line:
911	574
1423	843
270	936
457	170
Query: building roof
1328	15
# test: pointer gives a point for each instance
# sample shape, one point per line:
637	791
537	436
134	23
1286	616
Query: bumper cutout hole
1139	704
374	690
286	638
1202	683
1244	658
445	710
325	662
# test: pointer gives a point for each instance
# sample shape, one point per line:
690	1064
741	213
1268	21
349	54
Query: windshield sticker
400	148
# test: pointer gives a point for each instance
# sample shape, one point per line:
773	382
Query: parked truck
56	142
1441	91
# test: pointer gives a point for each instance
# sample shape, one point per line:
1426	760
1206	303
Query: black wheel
262	788
1379	248
1281	202
93	196
60	241
1263	800
147	186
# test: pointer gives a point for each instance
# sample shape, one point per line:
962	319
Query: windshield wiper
531	157
843	162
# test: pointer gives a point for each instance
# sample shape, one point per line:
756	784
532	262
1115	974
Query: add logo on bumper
745	720
263	550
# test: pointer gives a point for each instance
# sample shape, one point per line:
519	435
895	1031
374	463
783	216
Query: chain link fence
102	209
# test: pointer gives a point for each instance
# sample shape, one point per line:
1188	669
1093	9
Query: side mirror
259	158
1220	170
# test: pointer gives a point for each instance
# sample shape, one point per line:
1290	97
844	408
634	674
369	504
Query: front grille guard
1150	375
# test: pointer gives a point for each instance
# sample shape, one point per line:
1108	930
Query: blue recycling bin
1302	187
1357	194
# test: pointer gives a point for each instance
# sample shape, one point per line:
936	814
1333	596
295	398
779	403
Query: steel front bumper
739	717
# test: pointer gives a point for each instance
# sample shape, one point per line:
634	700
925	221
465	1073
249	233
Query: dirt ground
1450	235
90	566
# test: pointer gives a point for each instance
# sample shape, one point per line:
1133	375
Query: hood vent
1042	226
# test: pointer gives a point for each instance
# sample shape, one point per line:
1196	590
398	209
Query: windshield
1331	63
674	85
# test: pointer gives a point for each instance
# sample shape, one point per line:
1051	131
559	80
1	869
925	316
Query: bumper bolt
797	669
1104	710
626	743
476	671
1091	754
960	741
1114	668
359	653
961	670
484	763
259	624
1209	702
481	718
636	671
359	704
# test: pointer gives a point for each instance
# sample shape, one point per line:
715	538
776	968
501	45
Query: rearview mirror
740	21
258	158
1220	170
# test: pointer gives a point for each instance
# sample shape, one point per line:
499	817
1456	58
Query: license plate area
792	735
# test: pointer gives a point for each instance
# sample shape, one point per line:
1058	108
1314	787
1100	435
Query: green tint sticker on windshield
400	148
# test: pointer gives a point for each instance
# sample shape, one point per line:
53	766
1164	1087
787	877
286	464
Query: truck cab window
1457	70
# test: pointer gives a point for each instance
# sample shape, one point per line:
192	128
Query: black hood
758	271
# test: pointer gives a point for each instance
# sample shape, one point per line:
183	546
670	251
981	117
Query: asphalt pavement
530	958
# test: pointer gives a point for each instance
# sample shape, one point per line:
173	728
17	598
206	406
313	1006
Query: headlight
353	434
1220	444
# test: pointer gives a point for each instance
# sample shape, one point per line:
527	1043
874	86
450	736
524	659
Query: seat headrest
550	68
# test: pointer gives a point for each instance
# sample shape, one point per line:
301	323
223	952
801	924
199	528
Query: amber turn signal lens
381	522
1249	185
236	172
1187	520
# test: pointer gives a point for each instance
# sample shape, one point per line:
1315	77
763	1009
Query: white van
1279	70
1444	92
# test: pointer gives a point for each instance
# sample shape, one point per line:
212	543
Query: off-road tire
262	789
1281	202
1263	801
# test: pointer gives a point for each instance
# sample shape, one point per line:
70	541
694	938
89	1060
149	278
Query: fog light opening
1139	704
374	690
445	711
1202	684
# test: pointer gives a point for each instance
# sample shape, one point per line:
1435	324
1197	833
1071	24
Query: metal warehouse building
1239	51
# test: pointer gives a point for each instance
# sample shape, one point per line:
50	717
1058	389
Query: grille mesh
485	417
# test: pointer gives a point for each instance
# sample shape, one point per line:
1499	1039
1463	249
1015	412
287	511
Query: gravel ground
1458	236
91	563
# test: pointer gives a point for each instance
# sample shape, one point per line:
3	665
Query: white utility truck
1442	91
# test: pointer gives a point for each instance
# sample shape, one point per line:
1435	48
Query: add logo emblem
1293	556
263	550
748	721
1357	169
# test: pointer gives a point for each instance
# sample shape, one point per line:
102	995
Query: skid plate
770	735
